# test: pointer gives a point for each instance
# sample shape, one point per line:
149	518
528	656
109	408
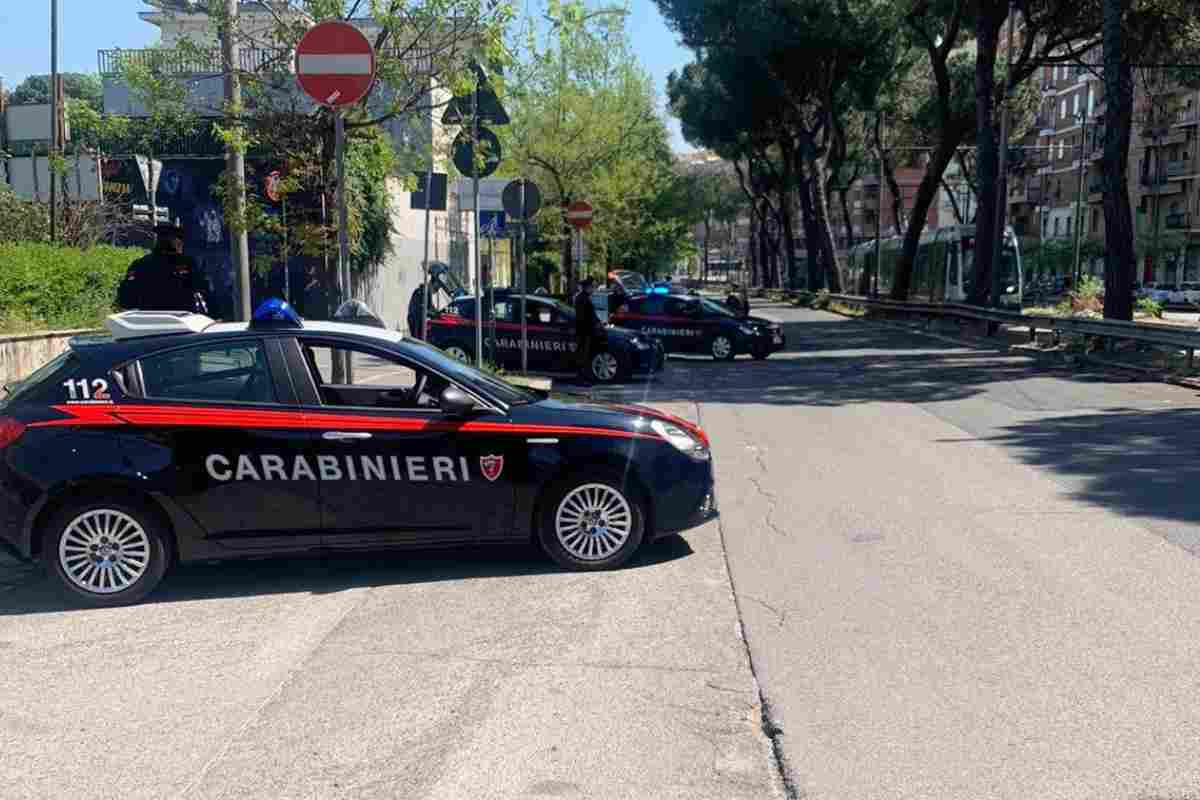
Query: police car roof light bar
276	313
134	324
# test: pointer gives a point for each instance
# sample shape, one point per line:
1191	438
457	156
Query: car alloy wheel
454	351
605	367
593	522
104	551
722	348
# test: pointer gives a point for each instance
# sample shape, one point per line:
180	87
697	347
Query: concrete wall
22	354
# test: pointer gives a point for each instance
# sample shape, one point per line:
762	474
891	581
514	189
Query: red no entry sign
579	214
335	64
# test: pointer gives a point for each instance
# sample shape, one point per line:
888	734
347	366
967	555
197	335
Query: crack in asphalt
780	615
770	727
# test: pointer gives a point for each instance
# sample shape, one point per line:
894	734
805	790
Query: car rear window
46	377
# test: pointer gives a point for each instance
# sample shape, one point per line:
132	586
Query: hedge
48	287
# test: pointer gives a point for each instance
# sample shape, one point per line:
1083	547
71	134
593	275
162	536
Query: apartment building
1056	182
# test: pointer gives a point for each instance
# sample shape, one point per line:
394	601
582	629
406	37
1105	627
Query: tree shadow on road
844	362
327	574
1137	463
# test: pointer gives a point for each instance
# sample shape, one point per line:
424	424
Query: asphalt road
450	676
940	572
962	574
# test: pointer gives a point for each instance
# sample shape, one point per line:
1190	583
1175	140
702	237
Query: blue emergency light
660	290
276	313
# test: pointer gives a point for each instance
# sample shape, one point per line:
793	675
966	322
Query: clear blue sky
86	26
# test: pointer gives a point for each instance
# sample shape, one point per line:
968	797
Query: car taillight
10	431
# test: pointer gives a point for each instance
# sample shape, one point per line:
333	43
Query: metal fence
1113	330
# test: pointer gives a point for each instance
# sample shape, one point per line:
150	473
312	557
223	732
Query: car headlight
682	440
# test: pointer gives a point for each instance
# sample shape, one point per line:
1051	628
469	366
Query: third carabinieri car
179	439
698	325
550	331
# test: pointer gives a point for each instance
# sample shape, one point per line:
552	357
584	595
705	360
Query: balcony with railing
1158	185
1178	168
192	61
1179	220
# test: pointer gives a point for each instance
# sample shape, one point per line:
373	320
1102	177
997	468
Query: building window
1069	221
1057	226
1072	104
1095	219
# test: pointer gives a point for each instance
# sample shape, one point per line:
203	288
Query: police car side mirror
455	402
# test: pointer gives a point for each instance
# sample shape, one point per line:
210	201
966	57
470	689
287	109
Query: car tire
761	353
132	540
578	541
606	366
722	348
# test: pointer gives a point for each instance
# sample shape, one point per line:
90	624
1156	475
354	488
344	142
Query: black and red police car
693	324
179	439
550	333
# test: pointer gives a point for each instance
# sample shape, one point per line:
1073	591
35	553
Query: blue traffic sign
491	223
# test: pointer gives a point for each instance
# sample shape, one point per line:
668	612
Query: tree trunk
1119	259
926	194
787	211
707	233
825	239
844	201
812	250
987	37
889	174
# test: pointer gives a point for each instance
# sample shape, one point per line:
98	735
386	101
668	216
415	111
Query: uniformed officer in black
165	279
587	326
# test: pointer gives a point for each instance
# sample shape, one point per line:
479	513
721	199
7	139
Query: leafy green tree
581	106
76	86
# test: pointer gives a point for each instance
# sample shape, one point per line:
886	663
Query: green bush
44	286
821	300
1145	305
804	298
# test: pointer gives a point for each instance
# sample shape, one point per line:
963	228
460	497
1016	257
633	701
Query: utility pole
878	212
1001	199
53	118
234	159
1076	271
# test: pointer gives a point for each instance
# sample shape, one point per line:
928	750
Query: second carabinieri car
550	332
697	325
180	439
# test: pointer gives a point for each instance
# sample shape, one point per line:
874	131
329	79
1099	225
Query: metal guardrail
1164	335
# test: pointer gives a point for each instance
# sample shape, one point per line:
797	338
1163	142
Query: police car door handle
344	436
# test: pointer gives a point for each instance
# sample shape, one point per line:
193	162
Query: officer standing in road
417	312
587	326
165	279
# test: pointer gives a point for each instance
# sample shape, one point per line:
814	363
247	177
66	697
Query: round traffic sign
272	186
579	214
511	198
464	154
335	64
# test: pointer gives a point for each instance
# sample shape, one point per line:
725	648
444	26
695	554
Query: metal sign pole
492	288
475	225
524	288
339	132
287	278
427	304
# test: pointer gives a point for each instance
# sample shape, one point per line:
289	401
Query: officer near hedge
165	279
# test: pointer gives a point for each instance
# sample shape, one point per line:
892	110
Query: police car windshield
716	308
472	378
